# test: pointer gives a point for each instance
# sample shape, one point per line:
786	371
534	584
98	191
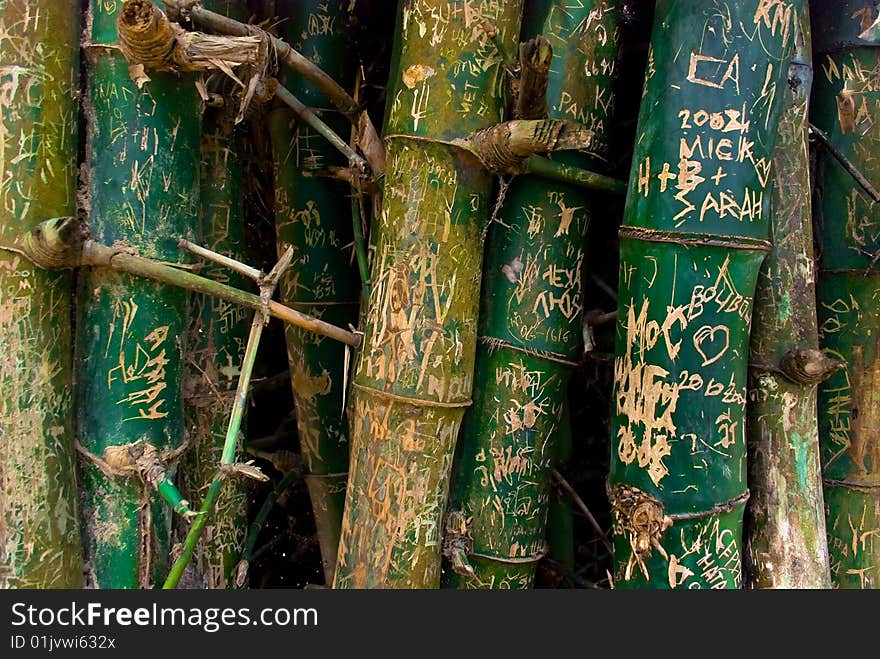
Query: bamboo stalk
785	519
694	236
217	336
414	376
143	167
39	527
313	216
530	317
844	106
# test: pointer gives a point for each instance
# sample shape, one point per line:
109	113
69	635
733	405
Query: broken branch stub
148	38
505	147
535	56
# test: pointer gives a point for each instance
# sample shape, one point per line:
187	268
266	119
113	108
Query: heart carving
712	342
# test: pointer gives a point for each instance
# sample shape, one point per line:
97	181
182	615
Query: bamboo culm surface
694	236
39	74
530	319
786	545
846	106
313	216
414	375
142	155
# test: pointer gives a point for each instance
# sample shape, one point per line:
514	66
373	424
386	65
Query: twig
565	485
261	317
236	266
597	317
610	292
309	117
846	163
506	58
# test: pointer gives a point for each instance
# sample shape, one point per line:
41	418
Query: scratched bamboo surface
218	333
846	104
695	232
39	71
530	316
786	544
143	190
414	375
313	215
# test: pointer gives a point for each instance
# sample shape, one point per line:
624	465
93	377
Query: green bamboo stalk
530	318
216	342
560	517
845	102
785	518
313	216
143	164
694	236
39	526
414	376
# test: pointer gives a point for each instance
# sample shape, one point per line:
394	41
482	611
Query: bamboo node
642	517
808	366
505	147
138	458
149	41
55	243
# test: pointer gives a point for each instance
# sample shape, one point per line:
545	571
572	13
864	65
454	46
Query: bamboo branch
309	117
340	98
511	147
845	162
808	366
57	243
261	317
209	255
372	148
504	148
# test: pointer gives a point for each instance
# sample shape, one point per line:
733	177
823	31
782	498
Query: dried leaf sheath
785	516
846	107
313	215
143	163
414	375
695	233
530	316
39	71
